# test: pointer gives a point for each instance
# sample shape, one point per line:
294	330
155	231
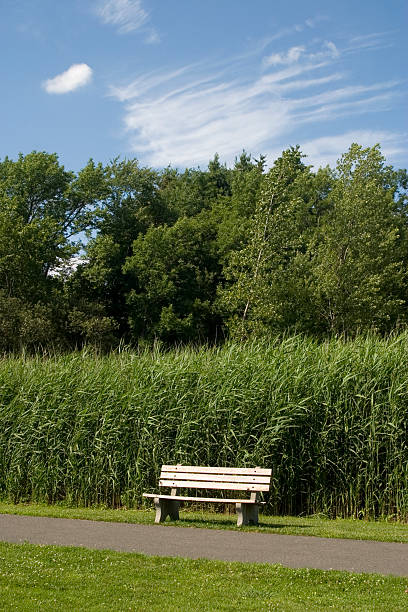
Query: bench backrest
220	478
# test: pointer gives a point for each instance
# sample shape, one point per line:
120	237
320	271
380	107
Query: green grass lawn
50	578
382	531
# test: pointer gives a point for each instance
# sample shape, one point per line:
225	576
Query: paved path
195	543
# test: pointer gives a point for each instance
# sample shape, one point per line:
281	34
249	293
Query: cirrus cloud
126	15
184	115
74	77
327	149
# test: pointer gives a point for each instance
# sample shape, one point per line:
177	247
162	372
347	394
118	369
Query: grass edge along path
380	531
51	577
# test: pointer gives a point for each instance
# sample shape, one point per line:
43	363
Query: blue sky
175	82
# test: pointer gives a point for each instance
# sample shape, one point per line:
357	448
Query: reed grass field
330	419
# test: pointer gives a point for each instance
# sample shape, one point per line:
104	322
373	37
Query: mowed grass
381	531
61	578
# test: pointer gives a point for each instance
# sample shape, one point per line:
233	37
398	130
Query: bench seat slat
215	477
222	486
197	469
203	499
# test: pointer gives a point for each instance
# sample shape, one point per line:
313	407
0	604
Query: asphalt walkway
195	543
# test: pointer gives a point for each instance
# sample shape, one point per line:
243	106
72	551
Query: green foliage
32	218
359	269
218	179
199	254
233	213
130	205
25	326
132	202
327	251
41	207
36	188
93	327
267	285
329	419
175	273
27	252
184	194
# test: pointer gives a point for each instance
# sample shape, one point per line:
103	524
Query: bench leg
247	514
165	508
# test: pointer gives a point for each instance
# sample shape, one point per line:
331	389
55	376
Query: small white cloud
76	76
328	51
331	47
153	37
312	21
127	15
292	56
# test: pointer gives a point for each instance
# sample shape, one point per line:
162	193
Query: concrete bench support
247	514
165	508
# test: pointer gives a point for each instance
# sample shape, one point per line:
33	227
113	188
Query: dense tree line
198	255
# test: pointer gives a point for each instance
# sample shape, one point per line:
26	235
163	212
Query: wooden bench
253	480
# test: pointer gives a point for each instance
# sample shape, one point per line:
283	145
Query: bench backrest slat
220	478
197	469
221	486
216	477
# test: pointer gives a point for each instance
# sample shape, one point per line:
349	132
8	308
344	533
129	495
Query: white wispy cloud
127	16
311	22
350	92
327	51
368	42
290	57
184	116
326	150
76	76
152	37
145	83
331	47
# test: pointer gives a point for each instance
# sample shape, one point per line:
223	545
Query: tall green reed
330	419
